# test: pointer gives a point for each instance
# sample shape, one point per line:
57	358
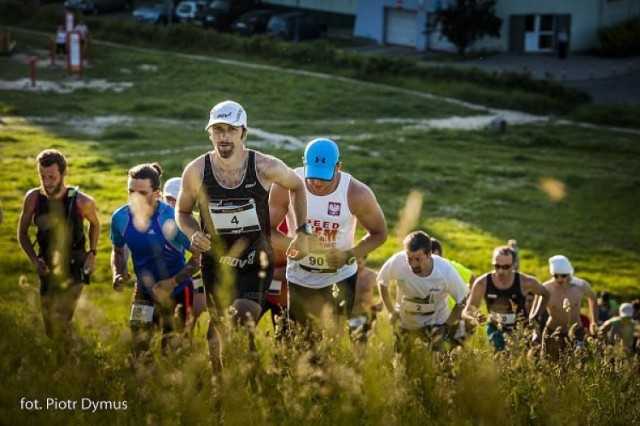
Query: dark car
154	14
220	14
295	26
98	6
253	22
213	17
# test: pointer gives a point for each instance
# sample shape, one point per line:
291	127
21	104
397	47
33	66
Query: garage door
400	27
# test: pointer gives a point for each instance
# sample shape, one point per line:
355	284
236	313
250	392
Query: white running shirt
432	291
334	227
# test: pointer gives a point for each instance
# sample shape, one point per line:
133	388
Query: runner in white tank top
326	277
333	227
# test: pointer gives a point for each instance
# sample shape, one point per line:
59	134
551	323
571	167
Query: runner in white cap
566	293
171	190
622	328
325	279
231	185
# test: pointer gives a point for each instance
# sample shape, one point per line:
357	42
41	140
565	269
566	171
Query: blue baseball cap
320	159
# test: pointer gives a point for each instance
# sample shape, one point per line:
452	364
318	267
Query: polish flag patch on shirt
334	209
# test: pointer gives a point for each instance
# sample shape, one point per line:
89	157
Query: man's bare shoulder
30	199
194	169
528	279
580	283
32	193
267	164
85	199
549	284
272	169
196	163
359	191
482	279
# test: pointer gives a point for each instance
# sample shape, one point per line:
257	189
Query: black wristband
94	251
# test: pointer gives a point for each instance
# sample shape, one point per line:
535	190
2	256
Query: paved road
608	81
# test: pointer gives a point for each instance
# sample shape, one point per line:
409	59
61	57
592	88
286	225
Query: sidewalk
606	80
577	66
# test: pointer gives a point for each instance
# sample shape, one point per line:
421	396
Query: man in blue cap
324	281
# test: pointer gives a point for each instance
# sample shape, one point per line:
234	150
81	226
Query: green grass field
556	188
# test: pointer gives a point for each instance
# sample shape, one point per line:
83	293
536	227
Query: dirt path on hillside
493	118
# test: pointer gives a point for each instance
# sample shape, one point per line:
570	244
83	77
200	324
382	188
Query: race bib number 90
316	262
234	216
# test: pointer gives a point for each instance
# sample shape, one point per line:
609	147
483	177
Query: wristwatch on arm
351	257
305	228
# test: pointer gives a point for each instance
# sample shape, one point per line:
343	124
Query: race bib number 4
234	216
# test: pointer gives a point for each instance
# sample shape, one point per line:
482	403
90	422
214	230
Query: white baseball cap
227	112
172	187
626	310
560	265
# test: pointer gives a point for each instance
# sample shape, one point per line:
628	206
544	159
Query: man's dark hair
504	251
417	240
49	157
151	171
436	247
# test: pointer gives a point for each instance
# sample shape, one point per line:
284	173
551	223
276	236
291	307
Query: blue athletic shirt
158	251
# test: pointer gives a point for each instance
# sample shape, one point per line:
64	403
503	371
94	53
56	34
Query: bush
620	40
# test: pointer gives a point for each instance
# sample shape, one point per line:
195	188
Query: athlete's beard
56	191
227	153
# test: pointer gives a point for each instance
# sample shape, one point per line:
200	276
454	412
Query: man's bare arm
187	199
471	312
365	207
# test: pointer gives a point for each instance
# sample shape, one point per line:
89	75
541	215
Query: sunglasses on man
503	267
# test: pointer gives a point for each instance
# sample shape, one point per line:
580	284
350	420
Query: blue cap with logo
320	159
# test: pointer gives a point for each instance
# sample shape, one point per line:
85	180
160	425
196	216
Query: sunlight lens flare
554	189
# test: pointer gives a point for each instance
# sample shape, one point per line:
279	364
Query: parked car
98	6
220	14
213	17
252	22
186	10
154	14
286	26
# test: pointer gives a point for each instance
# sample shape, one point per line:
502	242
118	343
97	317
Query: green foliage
557	188
621	115
620	40
465	21
315	55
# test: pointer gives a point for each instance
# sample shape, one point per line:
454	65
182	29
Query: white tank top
334	227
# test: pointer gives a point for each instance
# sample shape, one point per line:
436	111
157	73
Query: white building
528	26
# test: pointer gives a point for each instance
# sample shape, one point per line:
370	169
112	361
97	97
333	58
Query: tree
465	21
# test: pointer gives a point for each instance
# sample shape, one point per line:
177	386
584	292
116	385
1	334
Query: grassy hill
557	188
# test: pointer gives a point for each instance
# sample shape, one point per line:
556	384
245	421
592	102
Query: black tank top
241	215
59	225
505	299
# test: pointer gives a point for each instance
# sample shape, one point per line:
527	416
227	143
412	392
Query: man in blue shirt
146	228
